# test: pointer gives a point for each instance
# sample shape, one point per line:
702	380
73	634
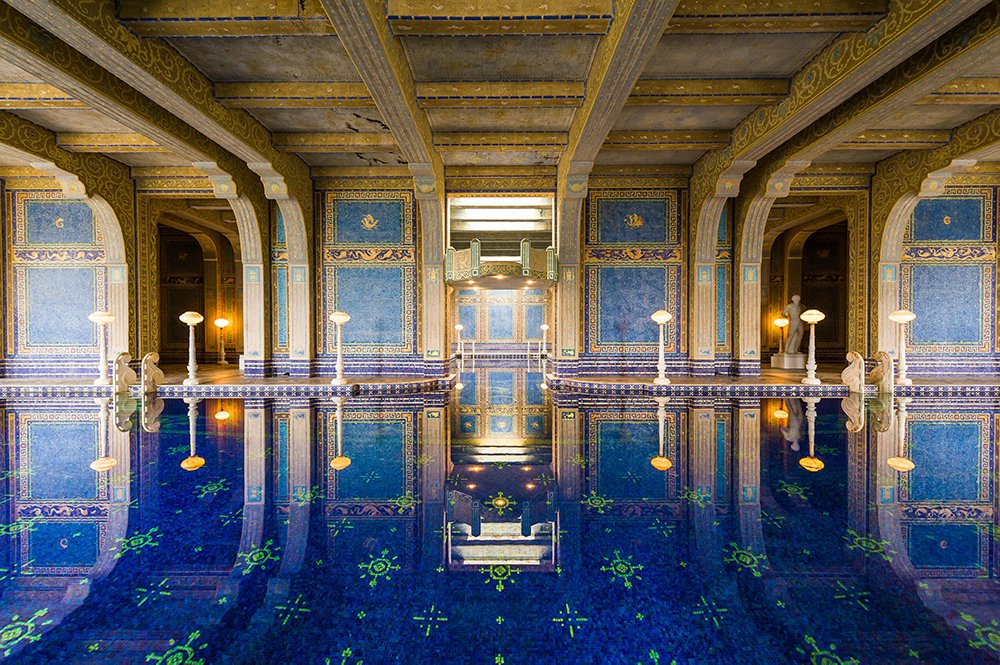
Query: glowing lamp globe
192	463
340	462
902	316
221	323
222	415
104	463
781	322
340	318
780	414
661	317
101	318
812	316
459	327
545	327
459	386
191	318
901	464
661	463
811	464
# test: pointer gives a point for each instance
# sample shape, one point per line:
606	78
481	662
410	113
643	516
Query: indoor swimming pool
500	523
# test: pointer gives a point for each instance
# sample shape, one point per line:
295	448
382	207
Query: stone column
428	188
568	304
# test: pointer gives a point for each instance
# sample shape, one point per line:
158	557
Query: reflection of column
887	525
747	420
434	424
569	222
567	453
701	479
300	482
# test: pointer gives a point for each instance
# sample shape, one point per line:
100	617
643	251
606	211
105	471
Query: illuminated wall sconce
103	320
339	319
191	319
222	324
901	317
812	317
661	317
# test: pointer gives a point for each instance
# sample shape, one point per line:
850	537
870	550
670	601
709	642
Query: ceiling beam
107	143
270	18
476	94
667	140
707	92
334	142
24	96
499	17
967	90
900	139
724	16
499	140
292	95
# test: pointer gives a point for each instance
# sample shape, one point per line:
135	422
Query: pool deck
228	382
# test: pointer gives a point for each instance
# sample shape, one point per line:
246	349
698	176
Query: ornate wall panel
501	320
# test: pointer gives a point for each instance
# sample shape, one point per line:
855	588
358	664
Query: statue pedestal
788	361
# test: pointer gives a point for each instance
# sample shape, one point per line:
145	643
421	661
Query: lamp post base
661	382
811	381
788	361
102	382
223	362
904	381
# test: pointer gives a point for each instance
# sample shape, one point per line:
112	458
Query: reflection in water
501	523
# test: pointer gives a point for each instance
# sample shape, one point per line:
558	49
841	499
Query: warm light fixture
340	462
499	277
781	322
471	486
530	486
222	415
221	323
902	316
812	316
192	463
101	318
900	464
191	318
459	386
780	414
661	463
530	281
105	463
661	317
525	468
811	464
340	318
475	469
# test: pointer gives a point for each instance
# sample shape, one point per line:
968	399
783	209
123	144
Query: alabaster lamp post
222	324
339	319
661	317
901	317
458	335
341	461
192	462
103	320
191	319
105	462
661	462
812	317
900	462
545	337
811	463
781	323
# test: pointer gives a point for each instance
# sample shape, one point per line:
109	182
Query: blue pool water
500	524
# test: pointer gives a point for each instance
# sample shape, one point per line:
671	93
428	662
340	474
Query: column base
788	361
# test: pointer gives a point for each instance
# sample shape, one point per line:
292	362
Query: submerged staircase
525	543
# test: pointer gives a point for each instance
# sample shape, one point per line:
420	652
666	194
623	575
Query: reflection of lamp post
812	317
339	319
192	462
901	463
545	337
661	317
458	330
341	461
103	320
661	462
901	317
811	463
221	325
191	319
105	462
781	323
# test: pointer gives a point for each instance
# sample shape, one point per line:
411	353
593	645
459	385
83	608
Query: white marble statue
793	310
882	375
854	376
123	376
152	376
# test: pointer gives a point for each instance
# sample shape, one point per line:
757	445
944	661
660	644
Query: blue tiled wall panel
943	545
373	296
948	302
63	544
947	459
721	320
281	306
949	219
60	454
534	317
632	221
59	223
500	388
468	316
369	222
376	449
501	322
58	303
626	298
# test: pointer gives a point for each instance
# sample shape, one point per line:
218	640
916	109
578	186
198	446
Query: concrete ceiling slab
304	58
476	157
639	118
756	55
933	116
500	58
647	157
73	120
363	120
352	159
853	156
12	74
501	120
